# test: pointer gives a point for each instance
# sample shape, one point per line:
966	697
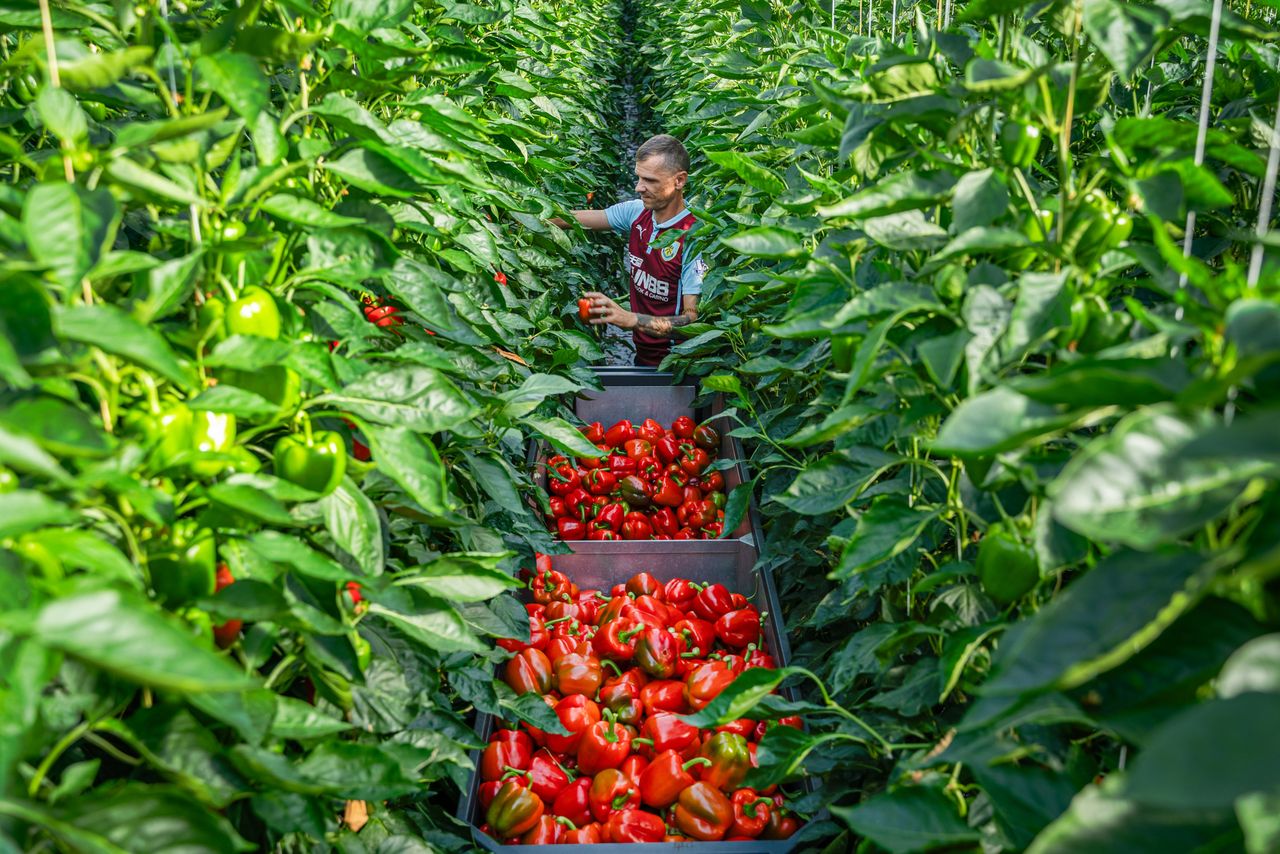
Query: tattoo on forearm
661	326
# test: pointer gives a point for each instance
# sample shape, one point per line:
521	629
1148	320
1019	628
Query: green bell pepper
316	462
730	760
842	353
1007	567
183	567
8	480
254	313
275	383
212	433
1019	144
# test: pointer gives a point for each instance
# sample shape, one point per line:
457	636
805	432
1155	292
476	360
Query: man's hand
590	220
605	310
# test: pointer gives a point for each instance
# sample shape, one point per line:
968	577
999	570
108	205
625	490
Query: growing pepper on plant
314	460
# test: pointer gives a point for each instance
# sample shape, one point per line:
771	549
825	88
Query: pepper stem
627	635
698	760
608	662
620	800
749	810
648	741
569	824
557	620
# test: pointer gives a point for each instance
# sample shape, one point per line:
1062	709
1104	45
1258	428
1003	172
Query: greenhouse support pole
1264	203
1206	94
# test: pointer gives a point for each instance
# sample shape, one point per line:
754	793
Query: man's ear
681	179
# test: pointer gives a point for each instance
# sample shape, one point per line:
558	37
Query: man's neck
675	206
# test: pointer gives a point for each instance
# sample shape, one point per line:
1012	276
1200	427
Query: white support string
1202	132
893	25
1264	203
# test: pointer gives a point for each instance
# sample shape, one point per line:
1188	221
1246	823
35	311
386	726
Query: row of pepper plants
1015	452
280	310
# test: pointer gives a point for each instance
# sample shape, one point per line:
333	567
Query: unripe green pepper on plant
1019	144
315	461
8	480
212	433
183	567
842	352
254	313
274	383
1007	566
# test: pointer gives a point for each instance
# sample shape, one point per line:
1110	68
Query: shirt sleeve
623	214
691	276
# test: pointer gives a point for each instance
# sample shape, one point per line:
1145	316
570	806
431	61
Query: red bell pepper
694	462
647	467
712	602
679	592
632	825
666	731
635	526
780	826
514	810
737	629
577	712
610	791
635	492
703	812
744	727
650	430
529	670
577	673
633	766
616	639
558	508
667	492
594	432
621	466
739	601
611	517
730	760
623	687
712	481
581	504
683	427
656	653
699	635
666	777
613	609
638	448
602	535
544	775
546	832
586	834
757	657
654	610
488	791
666	449
604	745
562	479
558	648
706	437
600	482
664	522
705	683
571	529
572	803
551	585
751	813
698	514
619	434
507	748
666	695
685	534
643	584
539	637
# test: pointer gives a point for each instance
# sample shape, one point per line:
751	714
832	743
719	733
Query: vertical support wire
893	24
1264	203
1206	96
949	11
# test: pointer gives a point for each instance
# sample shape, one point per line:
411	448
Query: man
664	284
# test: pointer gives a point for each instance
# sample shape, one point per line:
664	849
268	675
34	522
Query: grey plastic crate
637	394
727	562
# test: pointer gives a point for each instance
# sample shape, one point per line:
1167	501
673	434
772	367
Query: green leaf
366	15
62	115
900	192
91	551
1208	756
304	211
1026	797
432	622
289	551
980	199
412	462
68	228
1134	485
251	501
888	528
915	818
563	436
237	79
1125	33
144	182
237	401
765	242
124	635
1100	621
834	480
113	330
22	453
353	522
835	424
359	771
999	420
534	390
298	720
1043	306
100	70
169	285
1253	667
760	177
375	173
412	397
58	426
462	576
25	510
736	507
739	697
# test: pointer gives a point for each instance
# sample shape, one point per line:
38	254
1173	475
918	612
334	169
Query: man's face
657	183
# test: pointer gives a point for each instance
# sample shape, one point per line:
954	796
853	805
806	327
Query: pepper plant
985	310
252	533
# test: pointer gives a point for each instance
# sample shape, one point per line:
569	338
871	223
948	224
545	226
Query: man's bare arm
664	327
591	220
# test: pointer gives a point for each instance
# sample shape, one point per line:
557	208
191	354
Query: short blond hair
670	149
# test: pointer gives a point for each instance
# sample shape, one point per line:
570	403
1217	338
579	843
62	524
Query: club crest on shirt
669	252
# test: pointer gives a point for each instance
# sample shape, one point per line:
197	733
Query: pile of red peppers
620	670
650	484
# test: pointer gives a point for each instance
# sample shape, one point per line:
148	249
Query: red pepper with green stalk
706	437
571	529
730	760
712	602
586	834
577	673
539	637
546	777
738	629
619	434
577	713
667	492
679	593
656	653
663	521
547	831
600	482
663	731
562	479
507	748
666	695
751	812
703	812
780	826
666	449
593	432
650	430
635	526
611	517
638	448
705	683
528	670
572	803
605	744
683	427
633	825
617	639
694	462
621	466
610	791
581	504
634	491
515	810
666	777
699	635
